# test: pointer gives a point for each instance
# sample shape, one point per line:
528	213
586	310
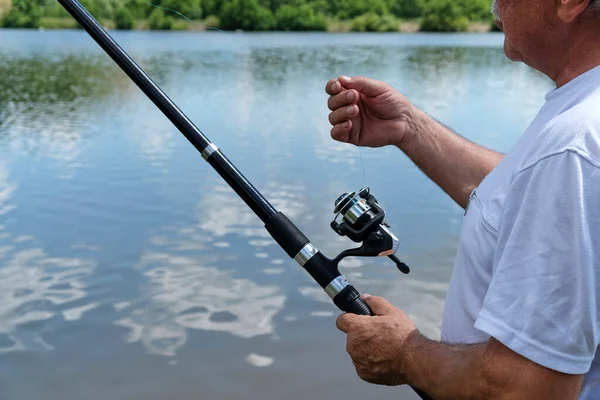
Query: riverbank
404	26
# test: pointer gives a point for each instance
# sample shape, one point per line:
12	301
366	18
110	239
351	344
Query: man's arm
387	349
371	113
484	371
454	163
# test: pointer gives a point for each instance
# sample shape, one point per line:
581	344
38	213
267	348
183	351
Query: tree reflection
44	101
48	80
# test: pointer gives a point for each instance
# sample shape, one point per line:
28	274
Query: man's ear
568	10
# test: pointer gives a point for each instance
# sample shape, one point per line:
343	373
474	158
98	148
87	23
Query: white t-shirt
527	271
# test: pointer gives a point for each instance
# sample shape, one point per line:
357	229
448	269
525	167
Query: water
129	270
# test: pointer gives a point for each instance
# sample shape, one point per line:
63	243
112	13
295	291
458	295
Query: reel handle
405	269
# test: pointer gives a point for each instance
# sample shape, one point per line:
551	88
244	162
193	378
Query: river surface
129	270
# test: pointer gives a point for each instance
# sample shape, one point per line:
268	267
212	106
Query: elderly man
522	314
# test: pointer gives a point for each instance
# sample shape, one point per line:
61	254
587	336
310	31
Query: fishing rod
358	215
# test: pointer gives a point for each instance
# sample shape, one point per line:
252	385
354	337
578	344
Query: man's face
527	26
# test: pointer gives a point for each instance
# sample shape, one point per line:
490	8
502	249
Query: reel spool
362	220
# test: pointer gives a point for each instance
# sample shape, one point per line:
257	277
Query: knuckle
336	117
331	103
332	118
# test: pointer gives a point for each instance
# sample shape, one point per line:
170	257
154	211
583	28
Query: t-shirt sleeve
543	298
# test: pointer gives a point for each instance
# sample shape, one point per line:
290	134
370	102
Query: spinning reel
362	221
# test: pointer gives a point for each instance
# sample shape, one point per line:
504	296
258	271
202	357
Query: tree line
262	15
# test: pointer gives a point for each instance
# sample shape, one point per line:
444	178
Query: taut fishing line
362	165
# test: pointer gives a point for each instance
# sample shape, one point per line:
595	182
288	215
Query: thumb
368	87
379	305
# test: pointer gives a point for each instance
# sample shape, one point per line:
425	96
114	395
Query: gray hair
496	13
594	5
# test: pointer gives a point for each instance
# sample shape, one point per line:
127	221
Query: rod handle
358	306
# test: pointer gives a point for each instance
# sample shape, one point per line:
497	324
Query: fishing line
181	15
362	164
348	272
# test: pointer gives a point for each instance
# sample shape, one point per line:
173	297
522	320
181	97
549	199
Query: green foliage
139	9
247	15
17	19
100	9
319	6
295	15
58	23
55	10
444	16
192	9
23	14
475	10
371	22
123	19
158	20
212	7
406	8
439	23
212	21
274	5
301	18
345	9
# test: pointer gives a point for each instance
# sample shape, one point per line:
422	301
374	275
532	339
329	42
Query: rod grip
359	307
349	300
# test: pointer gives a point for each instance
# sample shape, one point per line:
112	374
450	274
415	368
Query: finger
341	132
379	305
344	322
343	114
367	86
342	99
333	87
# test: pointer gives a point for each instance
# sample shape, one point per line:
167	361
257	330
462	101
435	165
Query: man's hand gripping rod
362	217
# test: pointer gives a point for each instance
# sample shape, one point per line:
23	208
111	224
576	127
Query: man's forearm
446	371
454	163
487	371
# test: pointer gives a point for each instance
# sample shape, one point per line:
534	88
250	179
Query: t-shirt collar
591	77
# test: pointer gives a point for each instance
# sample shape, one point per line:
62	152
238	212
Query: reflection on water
118	244
34	286
182	294
220	212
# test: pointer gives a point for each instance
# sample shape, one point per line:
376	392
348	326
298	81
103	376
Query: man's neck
583	56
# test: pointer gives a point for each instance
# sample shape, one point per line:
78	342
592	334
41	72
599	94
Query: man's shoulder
576	129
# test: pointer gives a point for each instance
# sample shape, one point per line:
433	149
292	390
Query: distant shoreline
407	26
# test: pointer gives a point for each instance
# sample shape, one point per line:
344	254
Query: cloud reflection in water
184	294
34	286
